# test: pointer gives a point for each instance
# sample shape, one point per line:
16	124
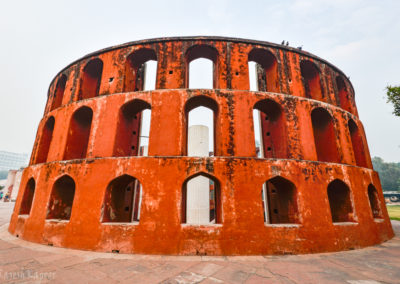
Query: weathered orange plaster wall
240	174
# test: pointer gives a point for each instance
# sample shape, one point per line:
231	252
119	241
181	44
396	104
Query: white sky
39	38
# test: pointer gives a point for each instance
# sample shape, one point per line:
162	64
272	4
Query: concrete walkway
24	262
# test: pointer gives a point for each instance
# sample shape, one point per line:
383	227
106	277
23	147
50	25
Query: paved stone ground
24	262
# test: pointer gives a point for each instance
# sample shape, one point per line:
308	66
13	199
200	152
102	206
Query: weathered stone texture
314	139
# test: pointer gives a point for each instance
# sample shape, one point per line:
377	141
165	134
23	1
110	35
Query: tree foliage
393	96
389	174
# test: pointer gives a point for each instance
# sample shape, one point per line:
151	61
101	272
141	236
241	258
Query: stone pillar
198	188
9	185
198	141
17	185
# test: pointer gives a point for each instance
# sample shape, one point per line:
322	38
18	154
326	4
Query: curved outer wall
235	166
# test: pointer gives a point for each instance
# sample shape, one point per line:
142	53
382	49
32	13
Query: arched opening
27	198
324	136
201	200
311	79
340	202
201	115
269	118
61	199
279	197
140	71
45	141
90	80
78	134
59	92
133	129
357	143
201	74
374	202
266	70
343	94
122	201
201	67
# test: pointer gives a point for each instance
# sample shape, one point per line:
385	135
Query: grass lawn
394	212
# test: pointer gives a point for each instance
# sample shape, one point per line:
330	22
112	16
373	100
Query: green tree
393	96
389	174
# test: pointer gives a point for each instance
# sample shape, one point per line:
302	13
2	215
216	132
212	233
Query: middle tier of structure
300	128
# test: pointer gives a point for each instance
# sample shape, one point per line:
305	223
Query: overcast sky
39	38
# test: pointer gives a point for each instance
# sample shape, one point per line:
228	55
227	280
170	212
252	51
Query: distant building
12	161
12	185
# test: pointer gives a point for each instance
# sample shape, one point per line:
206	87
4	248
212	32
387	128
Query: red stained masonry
85	173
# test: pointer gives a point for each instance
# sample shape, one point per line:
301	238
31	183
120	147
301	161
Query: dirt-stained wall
303	85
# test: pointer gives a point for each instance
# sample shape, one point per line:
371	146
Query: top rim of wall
191	38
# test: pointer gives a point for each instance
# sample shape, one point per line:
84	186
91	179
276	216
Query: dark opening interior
61	199
311	78
202	51
214	199
340	202
59	92
374	202
135	69
357	143
78	134
122	200
45	141
267	70
324	136
282	201
343	94
27	198
128	129
273	128
91	78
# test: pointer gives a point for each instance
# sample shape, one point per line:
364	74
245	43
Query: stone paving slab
25	262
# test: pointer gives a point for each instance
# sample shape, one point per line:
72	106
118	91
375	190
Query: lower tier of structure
256	206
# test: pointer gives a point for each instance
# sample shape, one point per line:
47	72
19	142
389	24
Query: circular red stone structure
313	190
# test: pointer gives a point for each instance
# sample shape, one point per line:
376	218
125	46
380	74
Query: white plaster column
198	188
9	184
17	185
198	141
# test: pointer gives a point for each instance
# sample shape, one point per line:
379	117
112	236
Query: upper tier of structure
287	70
